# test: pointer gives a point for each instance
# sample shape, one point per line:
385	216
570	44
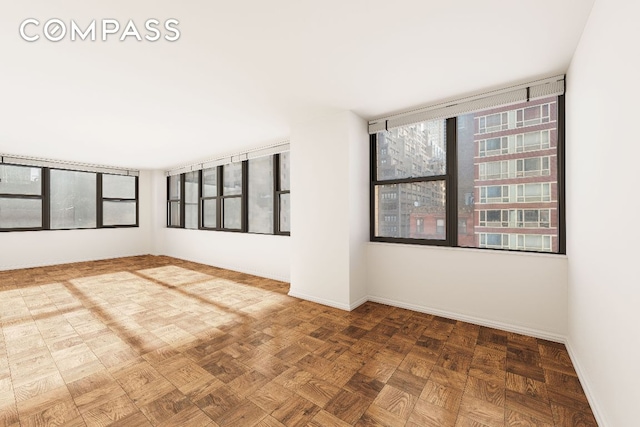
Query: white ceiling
244	72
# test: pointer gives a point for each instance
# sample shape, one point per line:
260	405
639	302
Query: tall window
261	188
119	200
209	198
21	198
232	184
174	204
410	182
489	179
283	192
191	196
73	199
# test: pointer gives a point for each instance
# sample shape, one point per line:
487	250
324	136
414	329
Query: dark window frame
179	199
278	192
451	185
45	196
102	199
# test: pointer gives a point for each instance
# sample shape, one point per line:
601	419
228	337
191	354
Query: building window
21	198
496	168
174	202
119	200
73	199
209	199
231	198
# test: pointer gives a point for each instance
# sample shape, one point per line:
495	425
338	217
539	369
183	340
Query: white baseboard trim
358	303
550	336
322	301
597	411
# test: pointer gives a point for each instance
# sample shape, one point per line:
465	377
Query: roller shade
225	160
58	164
511	95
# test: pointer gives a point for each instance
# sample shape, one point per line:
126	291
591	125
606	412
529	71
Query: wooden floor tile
157	341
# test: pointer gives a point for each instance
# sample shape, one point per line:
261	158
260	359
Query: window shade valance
510	95
59	164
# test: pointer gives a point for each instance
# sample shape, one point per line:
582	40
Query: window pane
174	187
174	214
411	210
284	172
527	175
118	213
20	180
191	187
118	186
209	213
232	213
412	151
20	213
285	213
209	182
261	195
232	179
191	215
73	199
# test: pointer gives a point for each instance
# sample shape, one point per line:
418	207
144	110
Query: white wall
519	292
329	214
262	255
603	154
40	248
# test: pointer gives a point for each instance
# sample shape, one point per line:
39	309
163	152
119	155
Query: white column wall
602	210
329	214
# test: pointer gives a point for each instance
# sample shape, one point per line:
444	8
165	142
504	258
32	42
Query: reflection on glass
285	171
232	179
285	213
118	186
231	213
20	180
118	213
209	213
209	182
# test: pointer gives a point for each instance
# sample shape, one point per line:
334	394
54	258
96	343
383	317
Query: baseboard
358	303
597	411
549	336
322	301
50	263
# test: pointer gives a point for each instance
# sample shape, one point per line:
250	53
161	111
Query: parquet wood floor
158	341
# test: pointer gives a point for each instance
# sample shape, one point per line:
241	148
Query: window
73	199
191	197
119	200
454	181
248	196
283	191
174	202
401	198
261	189
209	198
21	198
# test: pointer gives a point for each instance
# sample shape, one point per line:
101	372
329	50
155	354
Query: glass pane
285	213
191	215
491	199
73	199
118	213
411	210
118	187
174	187
20	180
412	151
285	172
232	179
209	182
209	213
232	213
174	214
20	213
261	195
191	187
